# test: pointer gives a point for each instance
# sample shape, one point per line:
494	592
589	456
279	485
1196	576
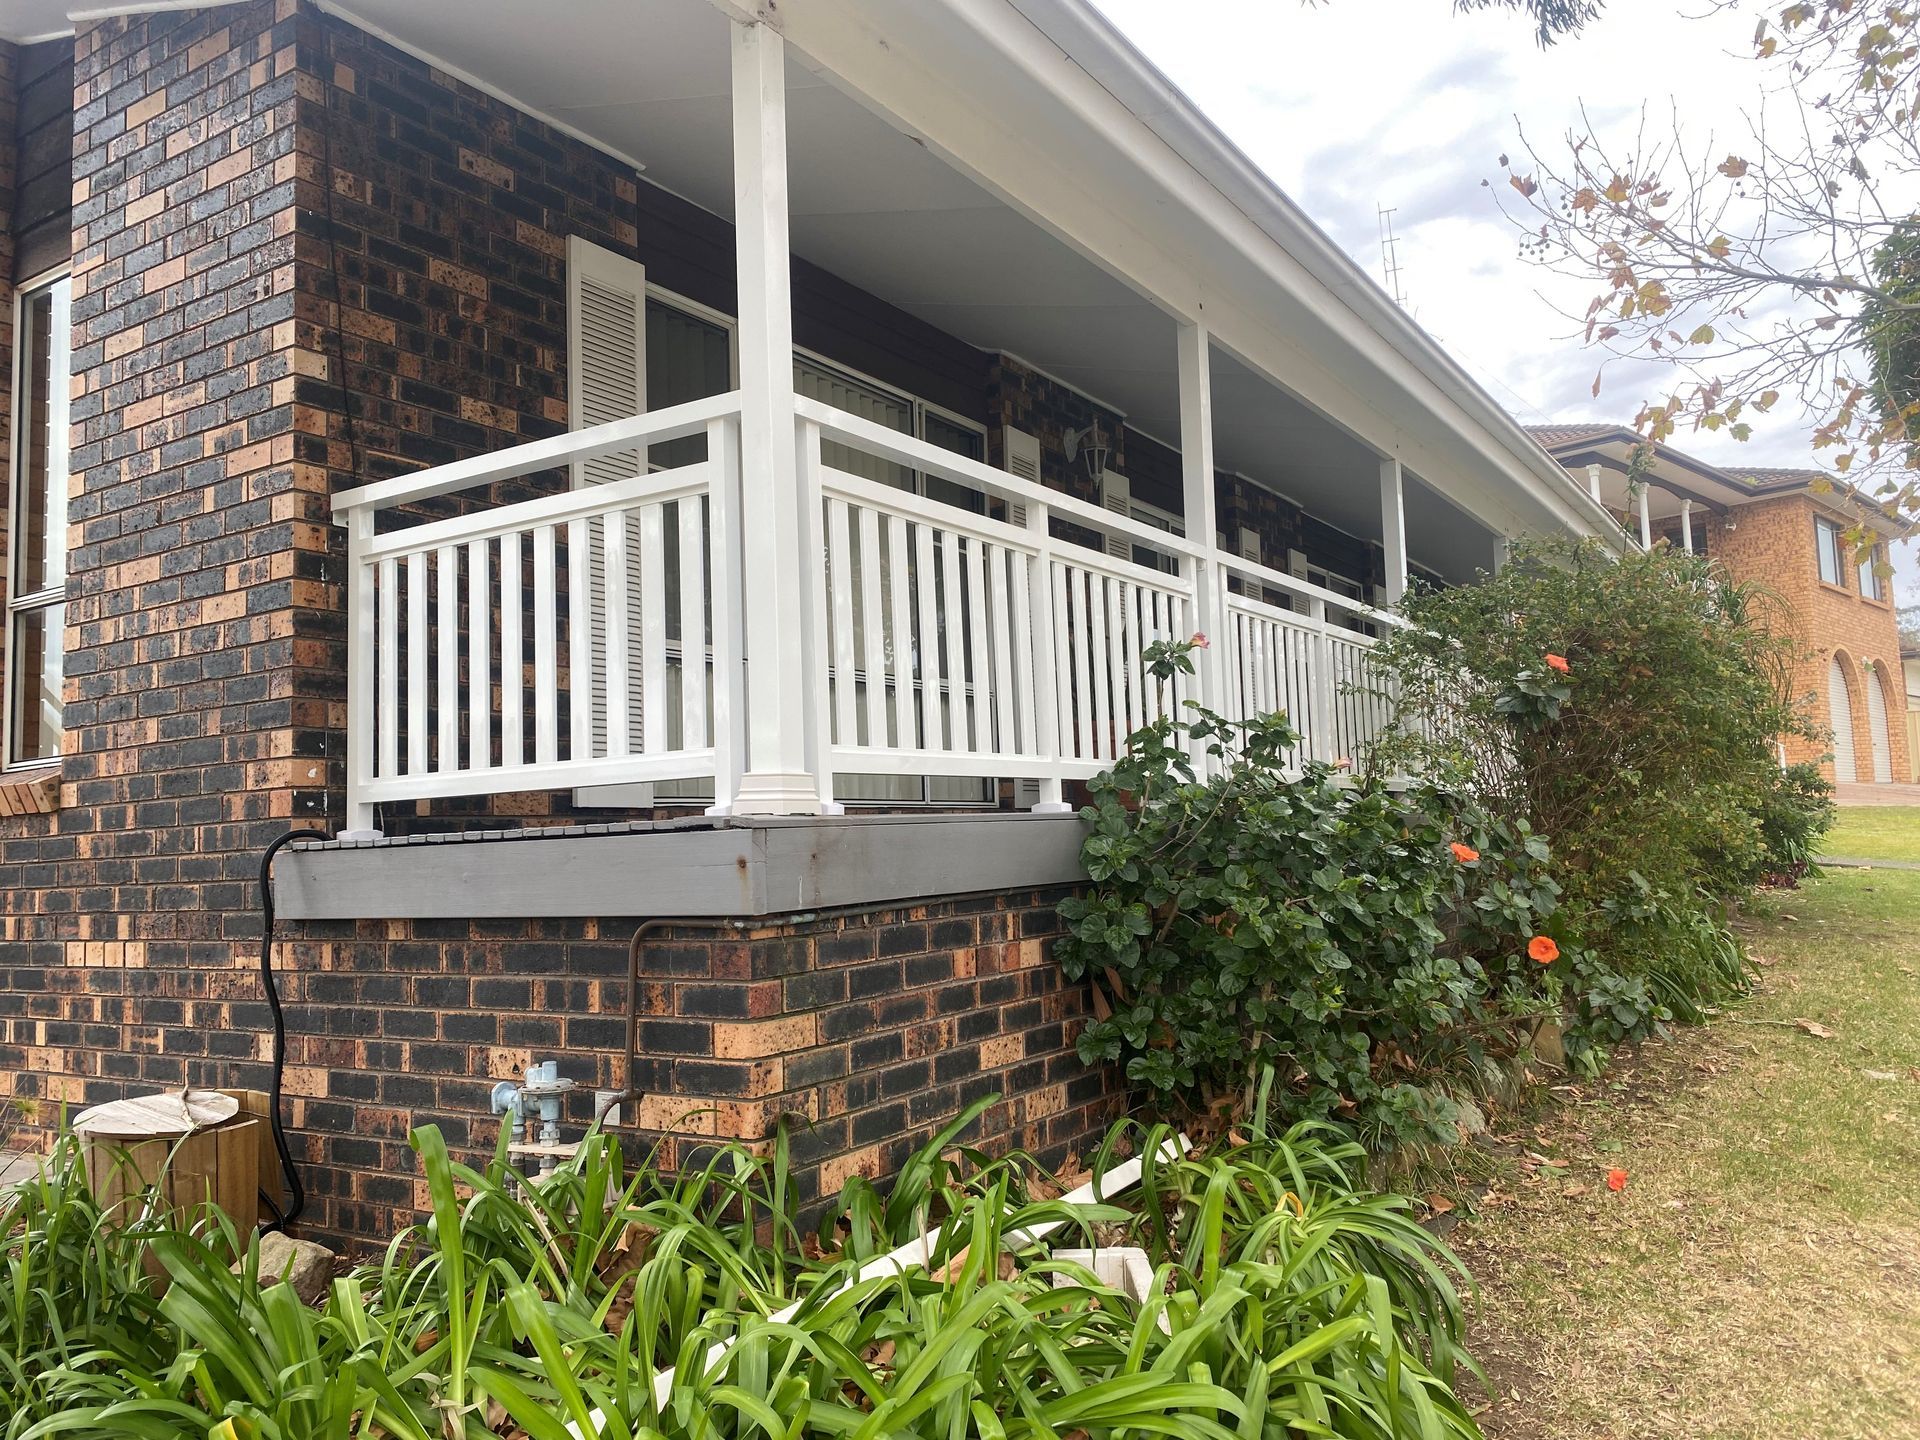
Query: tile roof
1555	435
1768	476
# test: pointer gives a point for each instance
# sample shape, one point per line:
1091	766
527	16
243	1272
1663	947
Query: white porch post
1593	482
1196	472
1646	524
777	569
1686	526
1393	529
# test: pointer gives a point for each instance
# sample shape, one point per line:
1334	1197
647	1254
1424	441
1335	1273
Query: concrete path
15	1166
1847	862
1877	794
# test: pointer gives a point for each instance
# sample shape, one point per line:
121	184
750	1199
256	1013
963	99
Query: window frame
1827	550
1873	585
1148	513
50	282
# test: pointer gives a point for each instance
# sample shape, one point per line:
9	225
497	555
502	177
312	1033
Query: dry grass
1760	1273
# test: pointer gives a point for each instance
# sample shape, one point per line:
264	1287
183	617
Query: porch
597	638
773	580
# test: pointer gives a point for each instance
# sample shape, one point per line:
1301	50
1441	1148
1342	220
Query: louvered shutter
1249	544
1116	495
607	380
1021	454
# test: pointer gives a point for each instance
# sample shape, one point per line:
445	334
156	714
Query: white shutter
606	350
1021	454
1249	544
1297	564
1116	495
1879	735
607	380
1840	717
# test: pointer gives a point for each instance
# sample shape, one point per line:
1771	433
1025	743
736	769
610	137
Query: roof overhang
1131	178
1674	477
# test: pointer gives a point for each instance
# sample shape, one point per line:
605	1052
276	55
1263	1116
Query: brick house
1788	530
700	464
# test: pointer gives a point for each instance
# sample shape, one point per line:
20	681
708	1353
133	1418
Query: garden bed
1278	1296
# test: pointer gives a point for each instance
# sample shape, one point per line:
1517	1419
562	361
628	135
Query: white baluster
546	681
419	660
446	645
693	625
479	657
513	601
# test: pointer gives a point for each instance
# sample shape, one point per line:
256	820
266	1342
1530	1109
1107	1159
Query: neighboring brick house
303	274
1793	532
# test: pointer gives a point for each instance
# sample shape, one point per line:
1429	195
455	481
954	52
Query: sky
1351	105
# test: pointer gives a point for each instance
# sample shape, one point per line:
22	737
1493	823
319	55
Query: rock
1472	1120
306	1266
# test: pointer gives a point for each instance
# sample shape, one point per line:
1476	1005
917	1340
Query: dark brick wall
871	1030
122	911
302	261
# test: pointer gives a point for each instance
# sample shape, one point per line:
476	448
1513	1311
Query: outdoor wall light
1089	444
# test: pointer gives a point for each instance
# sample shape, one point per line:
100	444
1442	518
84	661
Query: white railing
1308	659
965	644
580	638
592	637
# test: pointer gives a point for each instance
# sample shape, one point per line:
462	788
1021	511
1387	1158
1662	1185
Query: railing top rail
1268	577
683	482
917	454
636	431
873	495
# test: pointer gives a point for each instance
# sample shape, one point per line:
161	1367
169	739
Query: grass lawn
1875	832
1759	1275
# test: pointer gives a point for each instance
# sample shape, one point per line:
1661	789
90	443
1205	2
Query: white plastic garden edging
917	1254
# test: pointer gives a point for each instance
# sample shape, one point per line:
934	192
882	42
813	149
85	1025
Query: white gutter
1093	43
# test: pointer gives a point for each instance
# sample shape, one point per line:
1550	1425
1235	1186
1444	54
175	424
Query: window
857	394
1873	585
37	572
1827	541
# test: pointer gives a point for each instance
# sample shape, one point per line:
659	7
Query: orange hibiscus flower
1465	854
1558	662
1542	948
1616	1180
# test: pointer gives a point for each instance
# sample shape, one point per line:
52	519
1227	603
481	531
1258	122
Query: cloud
1351	105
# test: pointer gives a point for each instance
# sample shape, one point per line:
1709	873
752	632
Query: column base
774	793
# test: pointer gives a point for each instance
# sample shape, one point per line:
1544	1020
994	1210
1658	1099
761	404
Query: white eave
1098	47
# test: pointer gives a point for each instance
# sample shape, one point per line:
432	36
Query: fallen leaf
1439	1204
1879	1074
1813	1028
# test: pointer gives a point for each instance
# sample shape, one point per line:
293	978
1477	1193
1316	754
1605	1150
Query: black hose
296	1192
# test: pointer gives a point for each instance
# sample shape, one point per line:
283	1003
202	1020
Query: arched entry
1879	734
1840	717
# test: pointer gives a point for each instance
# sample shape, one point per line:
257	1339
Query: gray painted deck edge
729	868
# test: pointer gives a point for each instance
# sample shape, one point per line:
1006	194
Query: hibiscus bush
1366	944
1593	741
1629	708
